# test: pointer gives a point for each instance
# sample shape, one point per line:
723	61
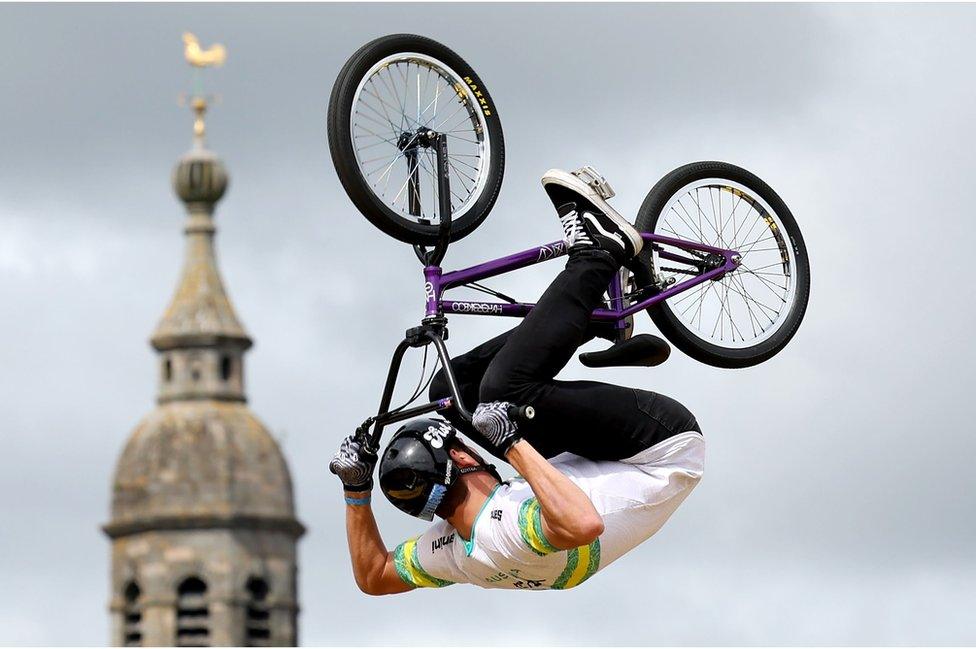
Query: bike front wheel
748	315
388	99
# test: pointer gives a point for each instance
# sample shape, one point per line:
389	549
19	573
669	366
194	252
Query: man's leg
595	420
469	371
547	338
588	418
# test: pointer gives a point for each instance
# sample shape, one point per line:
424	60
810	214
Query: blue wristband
358	501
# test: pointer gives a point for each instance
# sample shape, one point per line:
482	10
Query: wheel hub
422	138
713	261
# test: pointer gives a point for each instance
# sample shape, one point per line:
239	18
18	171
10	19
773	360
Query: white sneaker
588	220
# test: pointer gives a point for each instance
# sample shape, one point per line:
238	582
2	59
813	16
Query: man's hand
354	465
492	421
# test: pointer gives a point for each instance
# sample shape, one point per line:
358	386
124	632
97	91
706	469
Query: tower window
192	614
132	615
167	370
258	631
226	365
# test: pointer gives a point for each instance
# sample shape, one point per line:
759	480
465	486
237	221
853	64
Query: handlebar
371	442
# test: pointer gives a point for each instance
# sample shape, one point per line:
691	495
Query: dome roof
200	177
201	464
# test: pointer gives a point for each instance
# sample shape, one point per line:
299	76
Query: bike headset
417	471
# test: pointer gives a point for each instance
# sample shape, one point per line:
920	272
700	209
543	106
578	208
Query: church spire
203	524
200	338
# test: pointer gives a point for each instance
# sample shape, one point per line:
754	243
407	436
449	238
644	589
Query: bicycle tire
341	137
664	314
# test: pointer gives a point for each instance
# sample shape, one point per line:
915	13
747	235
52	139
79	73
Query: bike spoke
383	105
752	244
745	302
459	172
769	284
765	308
735	235
690	227
701	213
697	291
376	135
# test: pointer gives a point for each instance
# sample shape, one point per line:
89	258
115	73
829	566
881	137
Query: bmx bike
416	140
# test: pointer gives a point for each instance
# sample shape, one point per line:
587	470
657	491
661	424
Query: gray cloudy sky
839	498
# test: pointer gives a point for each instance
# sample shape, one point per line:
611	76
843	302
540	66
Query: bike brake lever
364	438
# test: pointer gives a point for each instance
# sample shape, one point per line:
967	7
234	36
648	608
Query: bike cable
490	291
421	385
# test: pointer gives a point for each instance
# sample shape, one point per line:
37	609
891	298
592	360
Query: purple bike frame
432	329
437	281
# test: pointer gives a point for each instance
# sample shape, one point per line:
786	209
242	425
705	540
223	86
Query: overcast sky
840	493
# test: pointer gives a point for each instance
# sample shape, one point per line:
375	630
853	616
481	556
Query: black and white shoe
588	221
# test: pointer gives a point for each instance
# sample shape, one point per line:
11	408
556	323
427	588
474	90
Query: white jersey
507	548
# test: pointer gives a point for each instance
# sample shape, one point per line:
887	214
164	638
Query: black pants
596	420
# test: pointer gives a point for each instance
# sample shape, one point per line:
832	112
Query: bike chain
678	270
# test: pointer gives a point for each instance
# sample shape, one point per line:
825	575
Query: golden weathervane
199	58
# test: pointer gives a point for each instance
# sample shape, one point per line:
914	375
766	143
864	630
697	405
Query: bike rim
746	306
399	97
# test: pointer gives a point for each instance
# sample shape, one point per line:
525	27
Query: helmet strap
488	468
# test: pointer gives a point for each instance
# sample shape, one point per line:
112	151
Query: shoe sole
569	181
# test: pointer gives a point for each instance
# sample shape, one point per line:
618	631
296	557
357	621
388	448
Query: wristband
358	501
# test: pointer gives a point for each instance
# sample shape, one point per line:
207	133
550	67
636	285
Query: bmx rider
601	467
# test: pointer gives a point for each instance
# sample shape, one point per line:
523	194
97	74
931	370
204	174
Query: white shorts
637	496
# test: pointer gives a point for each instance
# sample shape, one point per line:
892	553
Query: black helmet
417	470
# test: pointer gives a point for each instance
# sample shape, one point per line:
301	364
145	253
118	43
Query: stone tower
203	523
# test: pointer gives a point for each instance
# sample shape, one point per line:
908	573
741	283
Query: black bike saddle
642	350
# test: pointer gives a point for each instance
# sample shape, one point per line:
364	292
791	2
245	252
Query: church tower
203	525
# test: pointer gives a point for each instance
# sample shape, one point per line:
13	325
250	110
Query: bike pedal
595	179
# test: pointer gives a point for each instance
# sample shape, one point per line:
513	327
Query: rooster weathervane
215	55
200	58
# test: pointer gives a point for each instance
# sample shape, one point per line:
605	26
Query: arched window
226	366
258	631
132	615
192	614
167	370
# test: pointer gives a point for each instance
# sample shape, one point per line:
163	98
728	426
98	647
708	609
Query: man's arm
372	564
569	518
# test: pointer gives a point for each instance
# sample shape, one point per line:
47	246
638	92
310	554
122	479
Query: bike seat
642	350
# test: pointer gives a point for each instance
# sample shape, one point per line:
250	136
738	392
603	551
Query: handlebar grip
521	413
368	441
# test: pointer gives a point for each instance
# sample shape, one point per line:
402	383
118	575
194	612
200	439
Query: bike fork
417	337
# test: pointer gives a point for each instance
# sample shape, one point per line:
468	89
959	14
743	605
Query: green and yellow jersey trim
530	527
581	563
409	569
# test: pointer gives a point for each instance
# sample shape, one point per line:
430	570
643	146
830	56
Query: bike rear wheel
750	314
387	99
